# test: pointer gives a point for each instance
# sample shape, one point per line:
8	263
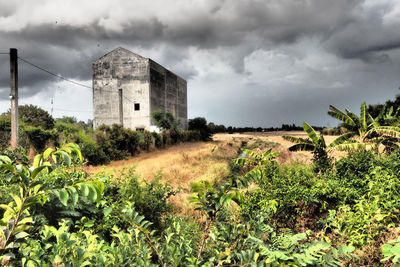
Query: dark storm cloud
214	41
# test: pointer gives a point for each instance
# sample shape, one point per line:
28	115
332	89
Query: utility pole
14	96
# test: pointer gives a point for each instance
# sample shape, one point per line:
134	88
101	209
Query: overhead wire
58	76
54	74
68	80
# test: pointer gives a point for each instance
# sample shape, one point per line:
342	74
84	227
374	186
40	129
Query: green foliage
40	138
117	142
270	215
200	124
67	120
34	116
91	151
361	223
157	140
391	251
165	120
17	219
316	144
146	140
150	198
364	132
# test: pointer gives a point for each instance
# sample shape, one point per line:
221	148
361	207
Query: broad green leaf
338	114
353	146
37	170
341	139
241	161
107	211
363	116
74	195
63	196
7	208
302	147
37	160
296	139
66	158
388	130
17	200
92	193
85	189
26	220
47	153
311	132
5	159
21	235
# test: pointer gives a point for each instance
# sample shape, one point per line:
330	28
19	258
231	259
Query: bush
90	150
146	140
353	172
157	140
191	136
200	124
117	142
150	198
40	138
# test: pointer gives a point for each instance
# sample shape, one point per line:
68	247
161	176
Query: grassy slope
183	164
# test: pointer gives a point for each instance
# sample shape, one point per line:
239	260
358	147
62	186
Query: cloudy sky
247	63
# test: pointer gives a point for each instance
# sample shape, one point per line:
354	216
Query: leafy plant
317	145
363	130
17	220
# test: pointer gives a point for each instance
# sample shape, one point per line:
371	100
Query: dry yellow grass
180	166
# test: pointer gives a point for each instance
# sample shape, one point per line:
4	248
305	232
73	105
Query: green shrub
157	140
150	198
353	172
90	150
146	140
117	142
191	136
40	138
200	124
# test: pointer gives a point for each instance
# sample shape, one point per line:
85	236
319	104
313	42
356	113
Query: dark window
137	106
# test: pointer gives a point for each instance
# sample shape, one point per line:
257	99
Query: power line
56	75
88	111
4	53
68	80
70	110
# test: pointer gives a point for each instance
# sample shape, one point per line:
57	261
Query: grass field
183	164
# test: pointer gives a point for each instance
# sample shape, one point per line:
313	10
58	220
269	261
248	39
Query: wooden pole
14	96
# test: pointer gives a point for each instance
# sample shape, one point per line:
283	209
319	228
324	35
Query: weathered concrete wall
168	92
126	71
182	102
140	80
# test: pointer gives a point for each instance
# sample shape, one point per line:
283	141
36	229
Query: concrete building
127	88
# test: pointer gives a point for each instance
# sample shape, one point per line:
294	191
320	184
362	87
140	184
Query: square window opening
137	106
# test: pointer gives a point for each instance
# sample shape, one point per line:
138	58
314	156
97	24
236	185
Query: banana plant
364	132
388	117
316	144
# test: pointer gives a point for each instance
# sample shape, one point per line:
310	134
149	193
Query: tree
34	116
67	119
200	124
165	120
